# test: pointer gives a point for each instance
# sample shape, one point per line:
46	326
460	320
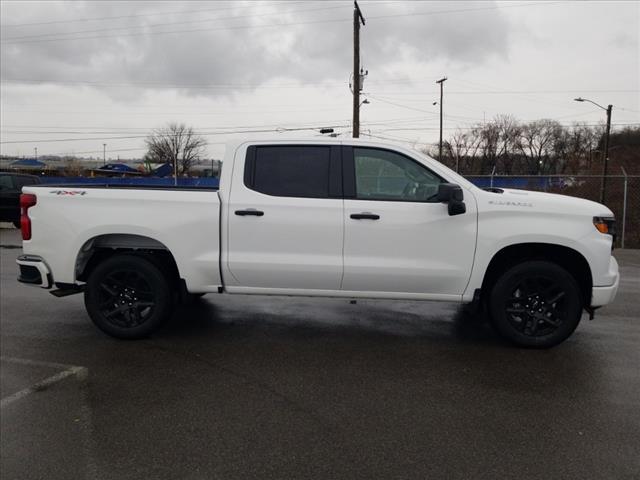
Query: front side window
292	171
386	175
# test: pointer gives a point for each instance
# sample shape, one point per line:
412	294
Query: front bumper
604	295
34	271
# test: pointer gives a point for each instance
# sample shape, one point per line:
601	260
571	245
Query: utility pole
441	82
605	165
36	151
357	18
104	154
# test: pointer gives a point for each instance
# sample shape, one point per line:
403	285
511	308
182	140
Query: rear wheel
128	296
536	304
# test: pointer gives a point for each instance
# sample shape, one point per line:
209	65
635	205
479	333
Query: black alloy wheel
128	296
126	299
536	304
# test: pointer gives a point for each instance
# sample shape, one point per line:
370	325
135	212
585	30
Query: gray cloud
300	50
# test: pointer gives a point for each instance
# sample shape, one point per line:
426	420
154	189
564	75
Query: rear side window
290	170
22	181
5	182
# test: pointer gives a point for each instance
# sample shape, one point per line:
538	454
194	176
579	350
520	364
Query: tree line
507	146
504	146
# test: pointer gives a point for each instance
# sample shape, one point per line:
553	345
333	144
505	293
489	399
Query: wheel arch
569	259
100	247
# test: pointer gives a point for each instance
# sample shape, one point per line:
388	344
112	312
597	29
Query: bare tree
462	150
536	142
176	144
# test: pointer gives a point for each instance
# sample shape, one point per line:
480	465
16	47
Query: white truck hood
527	200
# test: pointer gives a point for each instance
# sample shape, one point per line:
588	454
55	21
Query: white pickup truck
323	217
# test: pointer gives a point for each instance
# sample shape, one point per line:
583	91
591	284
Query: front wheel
128	296
536	304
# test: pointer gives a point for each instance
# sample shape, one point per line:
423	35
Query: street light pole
104	154
441	82
36	152
605	154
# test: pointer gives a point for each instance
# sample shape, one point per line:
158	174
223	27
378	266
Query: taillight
26	200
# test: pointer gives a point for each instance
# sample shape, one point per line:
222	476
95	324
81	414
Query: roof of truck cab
320	139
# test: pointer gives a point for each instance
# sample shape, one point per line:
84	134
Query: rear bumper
33	270
604	295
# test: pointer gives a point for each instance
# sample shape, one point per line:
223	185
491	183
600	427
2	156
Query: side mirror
448	192
452	194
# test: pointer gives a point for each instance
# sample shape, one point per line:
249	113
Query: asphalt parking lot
248	387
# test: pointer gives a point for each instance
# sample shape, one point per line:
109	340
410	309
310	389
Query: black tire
17	224
536	304
128	296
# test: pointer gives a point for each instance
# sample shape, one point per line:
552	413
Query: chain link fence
622	195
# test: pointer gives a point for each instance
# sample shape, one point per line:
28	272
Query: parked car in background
10	188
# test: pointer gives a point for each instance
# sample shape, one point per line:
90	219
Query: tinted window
5	182
386	175
22	181
292	171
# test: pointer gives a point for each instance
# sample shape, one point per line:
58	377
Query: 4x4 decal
69	192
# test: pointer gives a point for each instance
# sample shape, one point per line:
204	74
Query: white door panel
406	240
413	247
297	243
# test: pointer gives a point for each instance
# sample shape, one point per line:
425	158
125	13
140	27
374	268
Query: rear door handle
365	216
250	211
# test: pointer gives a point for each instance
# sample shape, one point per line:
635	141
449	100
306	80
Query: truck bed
68	219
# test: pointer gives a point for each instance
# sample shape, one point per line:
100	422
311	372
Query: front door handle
250	211
365	216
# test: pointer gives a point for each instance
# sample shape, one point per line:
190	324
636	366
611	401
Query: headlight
606	225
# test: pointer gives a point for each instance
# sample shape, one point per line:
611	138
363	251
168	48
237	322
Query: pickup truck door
397	239
285	218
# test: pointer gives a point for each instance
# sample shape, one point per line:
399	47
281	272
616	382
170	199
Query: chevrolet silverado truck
329	218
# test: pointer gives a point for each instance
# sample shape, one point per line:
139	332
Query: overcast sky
97	71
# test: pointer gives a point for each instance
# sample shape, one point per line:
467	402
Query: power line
298	85
516	92
192	30
237	27
235	127
139	27
277	130
128	137
169	112
227	86
474	127
419	110
175	12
